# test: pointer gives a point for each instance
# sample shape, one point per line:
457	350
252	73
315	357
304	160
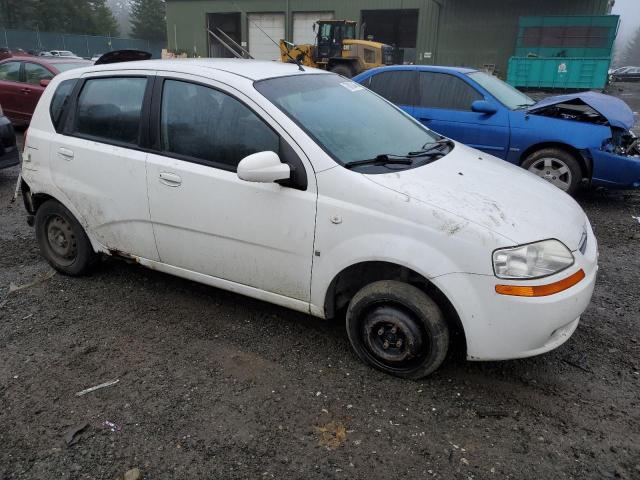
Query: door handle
65	153
25	90
170	179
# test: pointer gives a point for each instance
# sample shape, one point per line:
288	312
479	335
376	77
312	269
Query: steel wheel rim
554	171
393	338
61	240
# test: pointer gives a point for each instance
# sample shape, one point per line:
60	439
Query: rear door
445	106
97	161
397	86
11	94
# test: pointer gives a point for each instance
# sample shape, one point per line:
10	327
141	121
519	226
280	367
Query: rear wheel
396	328
62	239
558	167
344	70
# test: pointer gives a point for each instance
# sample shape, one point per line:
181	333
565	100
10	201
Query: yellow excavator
338	50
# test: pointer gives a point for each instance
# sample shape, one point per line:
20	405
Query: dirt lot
214	385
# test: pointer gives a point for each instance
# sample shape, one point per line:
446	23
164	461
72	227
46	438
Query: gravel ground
215	385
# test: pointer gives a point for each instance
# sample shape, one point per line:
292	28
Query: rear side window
207	124
34	73
397	87
441	90
10	72
59	102
110	109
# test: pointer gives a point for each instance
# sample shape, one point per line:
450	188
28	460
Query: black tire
344	70
62	240
420	328
557	166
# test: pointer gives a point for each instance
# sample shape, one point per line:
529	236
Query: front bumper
500	327
8	149
614	171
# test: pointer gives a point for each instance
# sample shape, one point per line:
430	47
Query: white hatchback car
304	189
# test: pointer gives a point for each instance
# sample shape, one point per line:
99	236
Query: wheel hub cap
61	238
392	335
554	171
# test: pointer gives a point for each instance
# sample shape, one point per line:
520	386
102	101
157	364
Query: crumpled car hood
616	111
489	192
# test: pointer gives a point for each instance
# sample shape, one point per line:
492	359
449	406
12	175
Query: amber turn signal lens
541	290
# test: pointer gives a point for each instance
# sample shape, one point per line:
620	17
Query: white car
63	54
304	189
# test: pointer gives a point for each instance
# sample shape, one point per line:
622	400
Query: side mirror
44	82
263	167
482	106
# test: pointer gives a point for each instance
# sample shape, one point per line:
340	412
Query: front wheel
343	70
396	328
556	166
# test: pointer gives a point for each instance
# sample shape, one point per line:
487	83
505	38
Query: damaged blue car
568	139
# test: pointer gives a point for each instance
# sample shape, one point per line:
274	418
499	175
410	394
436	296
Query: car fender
529	131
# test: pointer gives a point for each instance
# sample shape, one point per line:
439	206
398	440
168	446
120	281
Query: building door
229	23
303	26
261	46
398	28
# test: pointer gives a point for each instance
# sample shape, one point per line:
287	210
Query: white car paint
285	246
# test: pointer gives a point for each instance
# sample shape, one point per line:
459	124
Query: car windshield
505	93
348	121
63	67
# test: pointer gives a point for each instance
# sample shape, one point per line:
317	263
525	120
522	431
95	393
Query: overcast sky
629	11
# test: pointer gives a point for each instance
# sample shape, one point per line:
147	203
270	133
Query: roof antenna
294	60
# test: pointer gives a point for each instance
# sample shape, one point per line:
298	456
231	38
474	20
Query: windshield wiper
431	148
523	105
382	159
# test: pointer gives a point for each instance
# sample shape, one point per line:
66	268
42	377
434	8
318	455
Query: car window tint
109	108
10	71
60	101
34	73
441	90
206	124
397	87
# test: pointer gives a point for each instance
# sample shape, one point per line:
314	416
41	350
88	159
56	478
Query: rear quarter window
60	102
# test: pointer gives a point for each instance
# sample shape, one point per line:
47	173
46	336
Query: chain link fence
82	45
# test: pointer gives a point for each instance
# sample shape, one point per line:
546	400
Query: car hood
616	111
483	190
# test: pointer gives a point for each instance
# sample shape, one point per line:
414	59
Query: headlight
534	260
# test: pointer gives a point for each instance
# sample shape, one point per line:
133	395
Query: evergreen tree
104	22
631	54
148	20
17	13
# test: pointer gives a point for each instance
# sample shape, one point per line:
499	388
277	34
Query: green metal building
476	33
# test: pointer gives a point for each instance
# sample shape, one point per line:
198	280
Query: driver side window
208	126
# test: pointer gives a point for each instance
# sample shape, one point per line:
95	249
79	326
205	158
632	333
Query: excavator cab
331	35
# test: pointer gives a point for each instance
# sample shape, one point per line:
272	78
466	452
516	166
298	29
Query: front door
205	218
33	74
11	91
445	107
97	163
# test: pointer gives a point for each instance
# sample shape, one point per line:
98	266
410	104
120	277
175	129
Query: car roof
45	60
251	69
427	68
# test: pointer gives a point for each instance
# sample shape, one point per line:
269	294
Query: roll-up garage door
303	25
260	47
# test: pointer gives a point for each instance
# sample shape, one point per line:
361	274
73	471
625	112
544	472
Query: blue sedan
565	139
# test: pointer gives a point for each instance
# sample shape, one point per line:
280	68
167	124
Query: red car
24	78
